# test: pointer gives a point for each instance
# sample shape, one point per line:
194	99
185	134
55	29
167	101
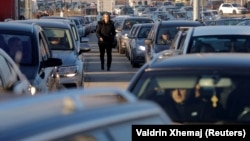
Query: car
35	59
197	88
152	44
232	8
224	21
72	69
73	114
11	78
207	39
124	29
136	47
81	42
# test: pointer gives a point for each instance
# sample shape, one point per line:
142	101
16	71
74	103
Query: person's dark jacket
106	31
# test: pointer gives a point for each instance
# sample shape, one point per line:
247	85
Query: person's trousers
108	49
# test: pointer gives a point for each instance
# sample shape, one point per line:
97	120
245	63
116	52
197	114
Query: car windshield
19	47
59	38
143	33
201	96
172	31
221	43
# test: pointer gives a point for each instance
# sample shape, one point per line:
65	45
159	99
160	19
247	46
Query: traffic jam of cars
189	71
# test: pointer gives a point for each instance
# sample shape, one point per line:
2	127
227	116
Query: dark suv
152	44
33	55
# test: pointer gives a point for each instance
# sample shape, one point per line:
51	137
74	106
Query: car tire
132	61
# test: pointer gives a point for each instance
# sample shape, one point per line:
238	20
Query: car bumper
242	11
69	82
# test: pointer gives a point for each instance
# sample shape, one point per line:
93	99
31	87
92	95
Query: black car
197	88
153	43
123	30
32	54
136	48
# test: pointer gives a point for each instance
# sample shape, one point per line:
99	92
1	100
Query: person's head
106	17
179	95
15	46
165	36
55	40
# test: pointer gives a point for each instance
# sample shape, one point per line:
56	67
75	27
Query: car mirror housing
52	62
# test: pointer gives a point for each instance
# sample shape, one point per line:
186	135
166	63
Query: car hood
67	57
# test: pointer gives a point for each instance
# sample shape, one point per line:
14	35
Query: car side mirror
52	62
148	41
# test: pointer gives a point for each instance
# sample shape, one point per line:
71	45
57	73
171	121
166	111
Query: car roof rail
183	28
62	102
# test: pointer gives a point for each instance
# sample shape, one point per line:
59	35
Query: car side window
182	40
42	50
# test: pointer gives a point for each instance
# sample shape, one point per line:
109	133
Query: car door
49	79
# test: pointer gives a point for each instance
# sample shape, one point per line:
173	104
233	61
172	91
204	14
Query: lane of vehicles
62	43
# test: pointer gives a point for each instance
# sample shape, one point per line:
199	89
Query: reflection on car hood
67	57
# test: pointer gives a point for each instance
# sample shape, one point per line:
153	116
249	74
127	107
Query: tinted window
220	43
185	94
18	47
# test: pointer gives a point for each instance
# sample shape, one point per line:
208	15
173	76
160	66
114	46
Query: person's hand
101	39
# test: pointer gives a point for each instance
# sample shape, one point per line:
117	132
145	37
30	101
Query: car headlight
141	48
69	71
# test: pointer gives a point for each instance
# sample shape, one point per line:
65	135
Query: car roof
180	22
75	109
8	26
128	18
209	61
45	23
221	30
144	24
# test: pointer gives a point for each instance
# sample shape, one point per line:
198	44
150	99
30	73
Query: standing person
105	33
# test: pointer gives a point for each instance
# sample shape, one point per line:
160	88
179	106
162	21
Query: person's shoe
108	69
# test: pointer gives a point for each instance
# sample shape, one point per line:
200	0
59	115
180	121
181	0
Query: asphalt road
121	69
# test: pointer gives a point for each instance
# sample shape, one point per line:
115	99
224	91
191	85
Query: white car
232	8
